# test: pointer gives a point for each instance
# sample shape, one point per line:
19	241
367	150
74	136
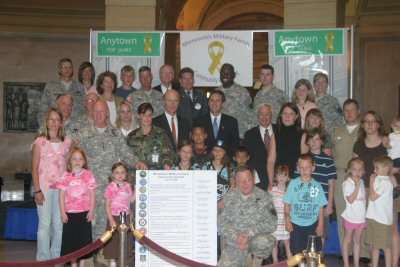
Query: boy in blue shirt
324	173
304	206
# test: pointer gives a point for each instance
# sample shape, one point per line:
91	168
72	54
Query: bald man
177	128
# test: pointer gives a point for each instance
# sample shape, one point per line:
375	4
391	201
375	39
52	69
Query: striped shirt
325	170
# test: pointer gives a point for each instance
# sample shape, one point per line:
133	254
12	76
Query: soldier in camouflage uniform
238	102
64	103
151	143
104	145
327	104
86	120
64	85
247	222
146	94
269	93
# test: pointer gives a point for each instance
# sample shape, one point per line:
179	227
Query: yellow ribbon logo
329	38
148	39
216	58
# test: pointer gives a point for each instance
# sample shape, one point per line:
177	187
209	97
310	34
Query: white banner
205	52
178	211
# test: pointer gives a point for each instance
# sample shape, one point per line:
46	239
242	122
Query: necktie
190	98
267	140
215	127
173	129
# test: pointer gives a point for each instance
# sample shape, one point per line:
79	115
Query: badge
142	189
197	106
142	197
142	213
142	222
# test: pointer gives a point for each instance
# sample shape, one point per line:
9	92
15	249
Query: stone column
313	14
129	15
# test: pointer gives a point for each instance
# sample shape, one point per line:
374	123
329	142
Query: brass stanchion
310	257
123	229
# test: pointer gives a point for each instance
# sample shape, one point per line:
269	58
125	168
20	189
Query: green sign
310	42
128	44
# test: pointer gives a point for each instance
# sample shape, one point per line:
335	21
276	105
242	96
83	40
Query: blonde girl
303	97
354	213
48	164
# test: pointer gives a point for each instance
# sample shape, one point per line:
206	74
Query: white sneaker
113	263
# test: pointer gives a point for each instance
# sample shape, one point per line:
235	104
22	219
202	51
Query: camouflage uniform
103	149
56	88
331	111
153	149
155	98
238	104
274	97
71	128
83	122
255	214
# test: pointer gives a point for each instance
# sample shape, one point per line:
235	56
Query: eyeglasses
91	100
64	67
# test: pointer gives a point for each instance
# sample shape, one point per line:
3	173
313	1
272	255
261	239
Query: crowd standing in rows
93	132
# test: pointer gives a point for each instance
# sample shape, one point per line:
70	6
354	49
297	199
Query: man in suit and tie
193	104
177	128
167	73
218	125
257	141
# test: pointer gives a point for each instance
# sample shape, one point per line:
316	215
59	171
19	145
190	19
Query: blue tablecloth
21	223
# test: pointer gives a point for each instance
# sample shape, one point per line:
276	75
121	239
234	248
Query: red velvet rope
64	259
179	259
98	243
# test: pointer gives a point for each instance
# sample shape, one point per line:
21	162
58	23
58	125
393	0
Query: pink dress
52	162
77	190
120	197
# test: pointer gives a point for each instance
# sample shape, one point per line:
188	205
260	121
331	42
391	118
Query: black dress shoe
364	260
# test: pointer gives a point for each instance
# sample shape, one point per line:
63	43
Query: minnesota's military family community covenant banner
205	52
178	211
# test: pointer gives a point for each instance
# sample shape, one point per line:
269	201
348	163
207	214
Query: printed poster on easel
178	211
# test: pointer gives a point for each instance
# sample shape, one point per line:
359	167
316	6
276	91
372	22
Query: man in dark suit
166	77
192	104
219	126
257	142
178	129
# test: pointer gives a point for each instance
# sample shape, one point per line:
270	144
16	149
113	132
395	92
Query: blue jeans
50	227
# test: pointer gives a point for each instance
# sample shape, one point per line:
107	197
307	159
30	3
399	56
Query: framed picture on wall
21	105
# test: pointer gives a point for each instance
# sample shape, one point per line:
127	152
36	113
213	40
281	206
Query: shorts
378	235
299	237
354	226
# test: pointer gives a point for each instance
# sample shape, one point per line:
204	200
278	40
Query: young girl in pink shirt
119	196
77	201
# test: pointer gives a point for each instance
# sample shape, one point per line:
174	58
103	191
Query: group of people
276	182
